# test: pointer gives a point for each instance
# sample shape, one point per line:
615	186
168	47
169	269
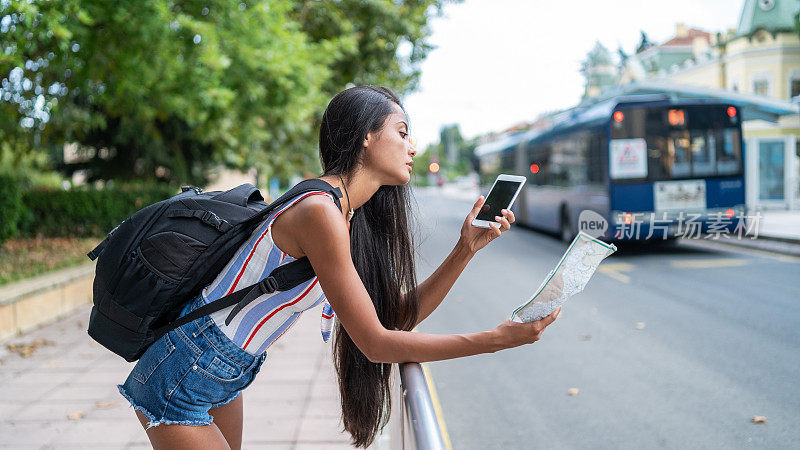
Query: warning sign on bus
628	158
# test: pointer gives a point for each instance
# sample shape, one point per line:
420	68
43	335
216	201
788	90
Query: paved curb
788	240
784	246
28	304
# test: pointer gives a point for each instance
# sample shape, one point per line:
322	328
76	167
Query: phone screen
499	197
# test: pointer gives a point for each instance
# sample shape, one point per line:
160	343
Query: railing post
419	419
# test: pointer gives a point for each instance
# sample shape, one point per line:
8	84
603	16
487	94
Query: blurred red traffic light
618	116
434	167
731	111
534	168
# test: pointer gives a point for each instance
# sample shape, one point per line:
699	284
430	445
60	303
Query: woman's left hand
475	238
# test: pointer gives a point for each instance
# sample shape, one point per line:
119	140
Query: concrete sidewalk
778	231
780	225
64	394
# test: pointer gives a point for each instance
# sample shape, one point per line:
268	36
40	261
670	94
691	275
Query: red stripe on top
244	266
264	320
241	271
327	316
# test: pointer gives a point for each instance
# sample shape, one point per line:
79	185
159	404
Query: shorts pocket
152	358
221	370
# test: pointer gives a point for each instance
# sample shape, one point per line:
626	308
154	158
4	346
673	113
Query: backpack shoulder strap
310	185
282	278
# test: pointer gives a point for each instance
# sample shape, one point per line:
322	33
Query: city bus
650	166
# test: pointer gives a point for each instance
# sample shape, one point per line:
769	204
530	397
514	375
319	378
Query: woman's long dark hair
383	254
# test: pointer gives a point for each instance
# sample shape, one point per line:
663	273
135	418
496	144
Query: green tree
146	84
379	42
166	88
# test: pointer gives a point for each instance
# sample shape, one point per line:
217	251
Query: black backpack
161	257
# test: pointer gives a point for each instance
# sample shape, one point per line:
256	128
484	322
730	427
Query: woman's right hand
513	334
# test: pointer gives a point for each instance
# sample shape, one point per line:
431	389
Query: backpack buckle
212	219
269	284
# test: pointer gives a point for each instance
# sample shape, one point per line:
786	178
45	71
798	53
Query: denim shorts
187	372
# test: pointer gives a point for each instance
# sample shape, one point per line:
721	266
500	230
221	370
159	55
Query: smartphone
501	196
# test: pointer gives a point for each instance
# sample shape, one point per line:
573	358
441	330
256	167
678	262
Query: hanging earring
349	213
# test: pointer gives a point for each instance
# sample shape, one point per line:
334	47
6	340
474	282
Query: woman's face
389	151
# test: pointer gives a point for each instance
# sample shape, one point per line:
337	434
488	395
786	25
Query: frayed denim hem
153	422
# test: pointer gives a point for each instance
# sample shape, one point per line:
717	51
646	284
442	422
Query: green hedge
84	212
11	206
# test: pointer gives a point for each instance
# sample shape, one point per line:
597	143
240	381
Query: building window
794	87
761	83
761	87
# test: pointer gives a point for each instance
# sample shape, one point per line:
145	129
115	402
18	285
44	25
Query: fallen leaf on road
586	336
572	391
26	349
758	419
104	405
639	325
75	415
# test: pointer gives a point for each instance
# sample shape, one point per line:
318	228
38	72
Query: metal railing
415	423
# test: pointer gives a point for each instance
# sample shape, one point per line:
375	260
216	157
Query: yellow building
760	57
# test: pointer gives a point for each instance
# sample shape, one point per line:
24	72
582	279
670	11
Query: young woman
362	254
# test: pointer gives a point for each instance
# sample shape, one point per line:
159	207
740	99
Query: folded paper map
567	279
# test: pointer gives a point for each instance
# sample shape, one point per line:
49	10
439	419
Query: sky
501	62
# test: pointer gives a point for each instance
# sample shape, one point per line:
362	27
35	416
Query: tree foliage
166	88
381	42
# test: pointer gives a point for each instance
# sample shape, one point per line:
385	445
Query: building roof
769	15
688	39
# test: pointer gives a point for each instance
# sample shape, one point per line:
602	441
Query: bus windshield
679	142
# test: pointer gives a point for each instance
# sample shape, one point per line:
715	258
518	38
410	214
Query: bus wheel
566	228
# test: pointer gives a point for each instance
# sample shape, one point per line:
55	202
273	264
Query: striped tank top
269	316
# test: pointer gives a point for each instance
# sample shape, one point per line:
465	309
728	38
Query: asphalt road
669	347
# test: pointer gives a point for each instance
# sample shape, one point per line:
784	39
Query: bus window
490	168
702	146
686	142
679	150
658	158
568	162
539	155
507	161
728	152
597	160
